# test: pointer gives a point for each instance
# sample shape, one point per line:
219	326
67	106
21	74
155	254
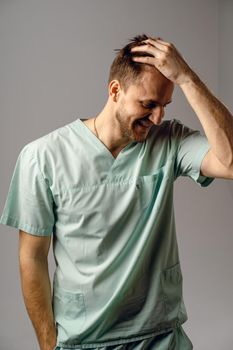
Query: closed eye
153	105
147	107
150	106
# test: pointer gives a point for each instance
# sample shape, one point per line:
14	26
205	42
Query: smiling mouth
144	122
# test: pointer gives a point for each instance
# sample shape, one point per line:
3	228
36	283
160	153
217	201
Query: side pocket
69	308
172	283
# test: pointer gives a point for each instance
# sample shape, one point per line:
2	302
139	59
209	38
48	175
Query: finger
144	59
158	39
158	44
147	48
163	42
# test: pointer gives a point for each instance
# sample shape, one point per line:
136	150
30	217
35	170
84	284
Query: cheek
131	106
132	110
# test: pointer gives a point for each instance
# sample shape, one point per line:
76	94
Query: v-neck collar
100	144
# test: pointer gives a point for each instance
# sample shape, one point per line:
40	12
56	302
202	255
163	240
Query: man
104	188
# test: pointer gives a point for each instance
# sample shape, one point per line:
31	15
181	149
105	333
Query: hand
165	58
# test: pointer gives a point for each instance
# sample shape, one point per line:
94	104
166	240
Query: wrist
49	347
50	343
189	78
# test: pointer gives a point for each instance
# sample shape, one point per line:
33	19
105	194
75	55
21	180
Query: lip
145	125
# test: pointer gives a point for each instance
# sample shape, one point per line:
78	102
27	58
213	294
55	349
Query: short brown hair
123	68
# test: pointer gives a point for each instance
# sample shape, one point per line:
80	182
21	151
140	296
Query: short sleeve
190	151
29	202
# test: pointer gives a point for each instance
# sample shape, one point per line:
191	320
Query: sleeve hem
201	180
9	221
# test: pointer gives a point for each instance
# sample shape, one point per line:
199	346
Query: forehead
152	85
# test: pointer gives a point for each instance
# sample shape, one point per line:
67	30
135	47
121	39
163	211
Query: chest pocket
152	188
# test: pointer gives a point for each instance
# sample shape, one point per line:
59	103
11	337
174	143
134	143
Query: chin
140	131
140	137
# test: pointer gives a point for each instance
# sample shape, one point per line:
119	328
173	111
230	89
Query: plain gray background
55	59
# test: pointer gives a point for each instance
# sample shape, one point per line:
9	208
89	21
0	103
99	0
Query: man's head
138	92
126	71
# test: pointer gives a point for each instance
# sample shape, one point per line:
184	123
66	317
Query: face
143	105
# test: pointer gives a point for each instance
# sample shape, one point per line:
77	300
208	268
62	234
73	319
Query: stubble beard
127	129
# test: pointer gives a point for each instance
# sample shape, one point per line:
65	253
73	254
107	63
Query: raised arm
36	287
216	119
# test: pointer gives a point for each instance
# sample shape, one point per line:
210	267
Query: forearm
216	119
36	290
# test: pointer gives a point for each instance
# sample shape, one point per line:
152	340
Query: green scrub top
118	276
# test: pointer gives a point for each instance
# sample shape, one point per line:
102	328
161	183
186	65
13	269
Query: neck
109	131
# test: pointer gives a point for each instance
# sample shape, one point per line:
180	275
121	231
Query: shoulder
166	130
49	152
49	143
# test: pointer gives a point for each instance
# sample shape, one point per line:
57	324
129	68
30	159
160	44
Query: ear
114	89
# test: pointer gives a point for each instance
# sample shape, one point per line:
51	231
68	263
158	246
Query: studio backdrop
55	60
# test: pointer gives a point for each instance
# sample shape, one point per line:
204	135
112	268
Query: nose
157	114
